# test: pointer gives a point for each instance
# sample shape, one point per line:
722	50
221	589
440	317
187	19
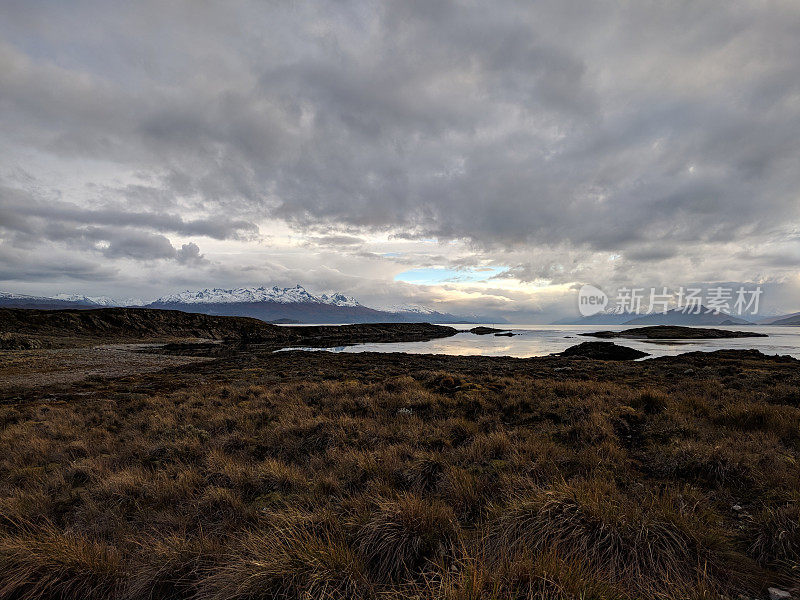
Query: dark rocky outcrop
486	330
140	323
603	351
362	333
107	324
673	332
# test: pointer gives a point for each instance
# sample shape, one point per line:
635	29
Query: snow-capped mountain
13	296
99	300
290	295
12	300
411	308
337	299
293	304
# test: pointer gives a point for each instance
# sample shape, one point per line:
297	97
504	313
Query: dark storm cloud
24	266
645	129
220	228
141	246
17	209
29	222
146	246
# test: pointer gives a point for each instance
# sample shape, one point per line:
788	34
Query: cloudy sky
470	156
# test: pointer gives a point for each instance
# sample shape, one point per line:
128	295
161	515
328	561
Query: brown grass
322	476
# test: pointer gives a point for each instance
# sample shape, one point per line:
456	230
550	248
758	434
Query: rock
689	372
563	369
737	508
604	351
778	594
485	330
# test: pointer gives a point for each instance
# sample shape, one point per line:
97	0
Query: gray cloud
336	240
140	246
654	133
18	208
190	254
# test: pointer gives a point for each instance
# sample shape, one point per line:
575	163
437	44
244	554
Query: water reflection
541	340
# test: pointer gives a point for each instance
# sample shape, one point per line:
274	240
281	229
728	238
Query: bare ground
37	368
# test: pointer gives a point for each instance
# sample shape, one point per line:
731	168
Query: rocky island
603	351
673	332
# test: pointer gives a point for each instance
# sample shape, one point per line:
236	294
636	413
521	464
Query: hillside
10	300
677	317
303	312
54	327
140	323
791	320
775	318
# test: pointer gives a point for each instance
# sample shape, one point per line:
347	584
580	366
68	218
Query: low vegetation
26	329
312	475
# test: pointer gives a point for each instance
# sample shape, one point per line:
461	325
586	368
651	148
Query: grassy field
312	475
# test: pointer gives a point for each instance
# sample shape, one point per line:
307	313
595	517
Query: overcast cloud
150	147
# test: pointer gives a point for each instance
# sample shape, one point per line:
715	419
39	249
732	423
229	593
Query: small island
602	351
487	330
673	332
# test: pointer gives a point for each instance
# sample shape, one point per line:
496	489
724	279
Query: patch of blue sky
434	275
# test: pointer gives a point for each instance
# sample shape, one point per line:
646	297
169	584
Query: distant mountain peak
267	303
288	295
339	299
99	300
679	316
411	308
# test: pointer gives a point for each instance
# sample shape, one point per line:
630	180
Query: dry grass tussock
317	477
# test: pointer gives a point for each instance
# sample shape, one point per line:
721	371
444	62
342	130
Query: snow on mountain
10	299
66	299
411	308
99	300
28	298
266	296
291	295
13	296
338	299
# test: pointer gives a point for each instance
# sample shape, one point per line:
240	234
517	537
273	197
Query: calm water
541	340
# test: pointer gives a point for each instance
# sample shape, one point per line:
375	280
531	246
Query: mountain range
791	319
276	304
675	317
297	305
